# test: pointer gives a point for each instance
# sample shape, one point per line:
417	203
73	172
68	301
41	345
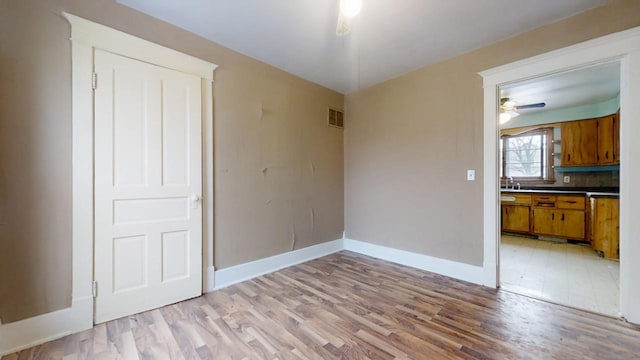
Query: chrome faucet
510	180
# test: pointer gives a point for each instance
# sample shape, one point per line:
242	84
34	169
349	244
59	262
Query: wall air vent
336	118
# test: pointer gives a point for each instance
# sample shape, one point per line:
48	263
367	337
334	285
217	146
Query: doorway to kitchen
622	47
559	169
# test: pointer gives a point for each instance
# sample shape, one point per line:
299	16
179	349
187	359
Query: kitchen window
527	157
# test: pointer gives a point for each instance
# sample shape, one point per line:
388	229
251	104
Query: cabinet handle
553	216
606	155
506	210
569	157
570	201
562	218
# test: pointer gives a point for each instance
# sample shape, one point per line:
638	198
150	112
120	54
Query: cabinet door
606	143
544	221
616	138
515	218
579	139
571	224
605	226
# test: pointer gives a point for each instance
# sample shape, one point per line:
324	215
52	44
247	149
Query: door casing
622	47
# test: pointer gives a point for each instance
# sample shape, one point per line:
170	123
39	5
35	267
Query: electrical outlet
471	175
566	179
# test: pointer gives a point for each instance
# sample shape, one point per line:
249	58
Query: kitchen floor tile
568	274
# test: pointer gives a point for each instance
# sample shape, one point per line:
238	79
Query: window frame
550	179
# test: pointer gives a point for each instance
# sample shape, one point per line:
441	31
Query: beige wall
278	167
410	140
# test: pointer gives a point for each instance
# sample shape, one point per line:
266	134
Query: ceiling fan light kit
348	10
344	25
504	117
508	107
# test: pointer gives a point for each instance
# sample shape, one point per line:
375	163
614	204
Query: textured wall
278	167
35	161
409	141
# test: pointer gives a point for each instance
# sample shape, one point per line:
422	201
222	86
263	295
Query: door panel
175	130
148	171
130	124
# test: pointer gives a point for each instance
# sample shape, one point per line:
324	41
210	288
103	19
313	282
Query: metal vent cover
335	118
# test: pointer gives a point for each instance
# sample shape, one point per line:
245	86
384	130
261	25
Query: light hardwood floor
353	307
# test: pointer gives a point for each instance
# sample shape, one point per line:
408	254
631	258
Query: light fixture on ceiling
348	10
508	107
505	116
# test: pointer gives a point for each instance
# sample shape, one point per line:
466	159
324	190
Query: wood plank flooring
349	306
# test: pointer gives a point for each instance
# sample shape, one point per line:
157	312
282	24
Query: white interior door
148	186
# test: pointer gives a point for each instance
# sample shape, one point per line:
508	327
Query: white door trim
87	36
623	47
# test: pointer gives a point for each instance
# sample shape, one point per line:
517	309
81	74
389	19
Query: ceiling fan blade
531	106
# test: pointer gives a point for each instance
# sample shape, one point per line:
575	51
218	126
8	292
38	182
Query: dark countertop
603	195
590	192
574	188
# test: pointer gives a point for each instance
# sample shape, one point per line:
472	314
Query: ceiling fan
508	108
348	10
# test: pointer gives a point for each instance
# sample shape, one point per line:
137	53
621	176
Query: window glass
526	156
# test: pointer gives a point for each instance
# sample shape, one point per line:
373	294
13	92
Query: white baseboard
454	269
235	274
33	331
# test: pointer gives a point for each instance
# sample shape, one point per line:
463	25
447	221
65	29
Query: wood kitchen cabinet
605	226
591	142
578	142
562	216
544	221
571	224
515	218
515	214
608	135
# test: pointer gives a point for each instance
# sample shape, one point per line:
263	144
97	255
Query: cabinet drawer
544	197
521	199
544	200
570	202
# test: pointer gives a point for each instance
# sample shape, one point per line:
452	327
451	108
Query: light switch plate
566	179
471	175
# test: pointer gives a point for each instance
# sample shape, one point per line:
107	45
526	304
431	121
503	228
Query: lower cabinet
515	218
605	226
571	224
561	216
544	221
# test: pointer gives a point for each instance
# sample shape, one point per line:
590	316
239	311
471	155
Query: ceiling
585	86
388	38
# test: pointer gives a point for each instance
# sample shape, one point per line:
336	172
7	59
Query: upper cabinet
591	142
579	142
608	135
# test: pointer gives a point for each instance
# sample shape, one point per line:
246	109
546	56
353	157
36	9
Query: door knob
195	201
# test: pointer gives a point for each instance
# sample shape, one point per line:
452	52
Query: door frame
85	37
622	47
